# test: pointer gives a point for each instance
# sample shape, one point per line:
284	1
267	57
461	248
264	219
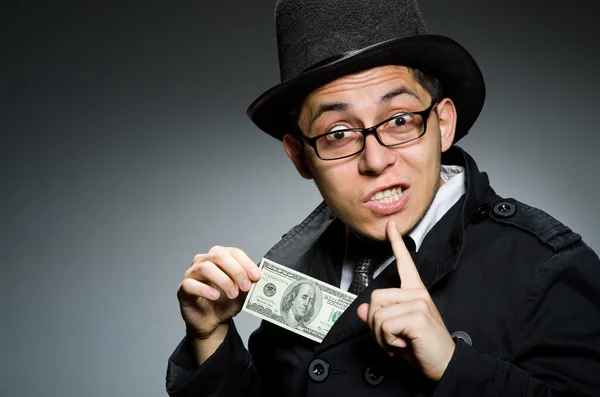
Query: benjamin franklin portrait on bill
298	303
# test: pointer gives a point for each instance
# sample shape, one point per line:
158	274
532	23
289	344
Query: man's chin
377	232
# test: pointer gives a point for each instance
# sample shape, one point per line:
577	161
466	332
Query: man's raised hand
405	320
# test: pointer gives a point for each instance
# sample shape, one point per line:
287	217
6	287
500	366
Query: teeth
388	195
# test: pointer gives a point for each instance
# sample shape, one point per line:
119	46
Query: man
297	306
460	292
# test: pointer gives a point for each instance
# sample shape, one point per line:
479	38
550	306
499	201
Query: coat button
462	336
481	213
373	376
505	209
318	370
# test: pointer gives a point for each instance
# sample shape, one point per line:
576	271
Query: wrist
445	362
206	346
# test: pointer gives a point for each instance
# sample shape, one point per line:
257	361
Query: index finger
409	275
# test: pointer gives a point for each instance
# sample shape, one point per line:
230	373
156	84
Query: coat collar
303	247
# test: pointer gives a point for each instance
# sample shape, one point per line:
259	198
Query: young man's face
411	171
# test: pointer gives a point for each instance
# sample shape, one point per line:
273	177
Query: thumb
363	312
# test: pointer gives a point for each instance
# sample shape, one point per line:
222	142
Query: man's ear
447	121
294	149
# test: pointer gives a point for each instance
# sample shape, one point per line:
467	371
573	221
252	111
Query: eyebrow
342	106
398	91
329	107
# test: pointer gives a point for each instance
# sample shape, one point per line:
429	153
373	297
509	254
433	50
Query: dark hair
429	83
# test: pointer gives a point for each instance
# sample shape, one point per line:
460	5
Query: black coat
518	290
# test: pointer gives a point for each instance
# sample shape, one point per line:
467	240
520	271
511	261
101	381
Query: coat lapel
434	253
316	248
438	255
349	325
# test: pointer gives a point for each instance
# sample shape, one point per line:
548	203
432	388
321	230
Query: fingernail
246	284
214	294
233	291
255	272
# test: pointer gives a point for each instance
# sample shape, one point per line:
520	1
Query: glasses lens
339	144
398	130
403	128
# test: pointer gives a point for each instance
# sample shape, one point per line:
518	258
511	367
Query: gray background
125	150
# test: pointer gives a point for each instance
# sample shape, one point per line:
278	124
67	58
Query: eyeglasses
397	130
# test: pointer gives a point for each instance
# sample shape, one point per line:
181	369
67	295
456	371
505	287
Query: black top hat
322	40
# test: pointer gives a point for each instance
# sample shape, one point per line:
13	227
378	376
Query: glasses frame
312	142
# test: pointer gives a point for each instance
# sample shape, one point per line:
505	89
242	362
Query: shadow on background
126	150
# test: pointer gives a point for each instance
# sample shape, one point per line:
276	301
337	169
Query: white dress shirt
447	195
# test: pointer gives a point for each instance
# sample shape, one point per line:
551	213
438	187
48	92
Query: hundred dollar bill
296	301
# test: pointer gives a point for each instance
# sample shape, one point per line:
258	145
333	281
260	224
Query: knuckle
186	286
200	267
420	320
375	295
218	250
422	305
220	254
191	270
239	274
386	327
377	317
199	258
183	285
199	270
236	251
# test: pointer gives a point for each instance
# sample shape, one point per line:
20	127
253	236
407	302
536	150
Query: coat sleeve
559	350
228	372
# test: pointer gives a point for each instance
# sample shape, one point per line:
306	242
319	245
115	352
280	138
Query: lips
386	193
389	205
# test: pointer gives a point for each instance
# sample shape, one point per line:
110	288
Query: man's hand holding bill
405	321
211	293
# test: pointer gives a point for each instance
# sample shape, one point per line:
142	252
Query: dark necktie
370	256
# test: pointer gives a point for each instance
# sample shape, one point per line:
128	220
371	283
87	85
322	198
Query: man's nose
375	158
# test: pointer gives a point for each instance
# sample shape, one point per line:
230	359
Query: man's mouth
388	195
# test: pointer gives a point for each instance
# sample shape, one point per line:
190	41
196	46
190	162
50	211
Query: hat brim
440	56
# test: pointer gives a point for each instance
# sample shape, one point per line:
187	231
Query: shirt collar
447	195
